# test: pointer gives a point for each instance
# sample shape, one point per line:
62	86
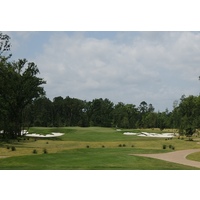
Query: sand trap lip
45	136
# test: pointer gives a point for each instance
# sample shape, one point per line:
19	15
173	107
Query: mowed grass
89	148
89	159
194	156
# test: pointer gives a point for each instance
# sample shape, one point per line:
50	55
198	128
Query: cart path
176	157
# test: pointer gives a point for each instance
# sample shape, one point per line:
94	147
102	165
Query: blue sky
125	66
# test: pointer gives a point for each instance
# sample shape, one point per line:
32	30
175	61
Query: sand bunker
25	133
145	134
129	133
44	136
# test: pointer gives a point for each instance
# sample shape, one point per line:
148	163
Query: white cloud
131	67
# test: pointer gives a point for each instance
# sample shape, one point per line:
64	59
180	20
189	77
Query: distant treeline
102	112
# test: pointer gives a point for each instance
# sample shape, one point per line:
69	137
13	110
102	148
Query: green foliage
13	148
34	151
45	151
19	86
4	46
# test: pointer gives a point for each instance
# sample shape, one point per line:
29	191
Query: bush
124	145
170	146
120	145
87	146
13	148
8	147
132	146
103	146
35	151
173	148
164	146
45	151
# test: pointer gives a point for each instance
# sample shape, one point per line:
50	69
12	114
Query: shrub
132	146
124	145
35	151
103	146
8	147
164	146
170	146
47	142
120	145
173	148
13	148
45	151
87	146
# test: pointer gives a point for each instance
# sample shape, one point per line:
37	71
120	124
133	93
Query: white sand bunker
130	133
145	134
25	133
44	136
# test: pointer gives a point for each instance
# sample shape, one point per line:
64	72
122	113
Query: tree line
23	104
68	111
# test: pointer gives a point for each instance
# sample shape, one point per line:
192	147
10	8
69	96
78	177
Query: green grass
89	159
69	151
194	156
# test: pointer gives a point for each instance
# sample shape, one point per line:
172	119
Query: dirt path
176	157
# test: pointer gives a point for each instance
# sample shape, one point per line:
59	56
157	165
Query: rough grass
69	151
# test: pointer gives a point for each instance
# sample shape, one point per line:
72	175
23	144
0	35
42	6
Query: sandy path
176	157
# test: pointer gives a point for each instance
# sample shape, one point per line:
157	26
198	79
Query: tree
4	46
42	112
100	112
189	114
19	86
